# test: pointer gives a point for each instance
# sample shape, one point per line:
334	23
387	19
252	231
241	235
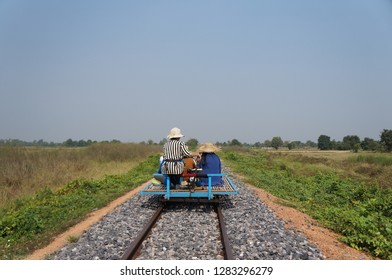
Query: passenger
174	151
210	163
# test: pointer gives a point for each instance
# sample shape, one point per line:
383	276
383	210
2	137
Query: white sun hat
175	133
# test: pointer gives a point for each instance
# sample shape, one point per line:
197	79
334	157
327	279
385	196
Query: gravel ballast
190	232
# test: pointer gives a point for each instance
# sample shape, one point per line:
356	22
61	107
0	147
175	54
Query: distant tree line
275	143
42	143
349	142
36	143
353	142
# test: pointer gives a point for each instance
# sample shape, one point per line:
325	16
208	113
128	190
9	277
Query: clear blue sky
219	70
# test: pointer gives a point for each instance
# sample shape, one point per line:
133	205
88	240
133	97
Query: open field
26	170
332	187
30	222
367	167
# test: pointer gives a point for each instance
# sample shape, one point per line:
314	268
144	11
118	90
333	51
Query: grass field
42	204
26	170
350	193
367	167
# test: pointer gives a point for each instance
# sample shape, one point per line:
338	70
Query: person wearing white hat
210	163
174	151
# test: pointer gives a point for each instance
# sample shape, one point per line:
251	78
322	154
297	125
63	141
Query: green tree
69	143
311	144
386	139
267	143
350	142
192	143
81	143
235	142
276	142
294	145
324	142
369	144
334	145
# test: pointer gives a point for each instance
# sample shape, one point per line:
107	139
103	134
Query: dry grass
24	171
368	167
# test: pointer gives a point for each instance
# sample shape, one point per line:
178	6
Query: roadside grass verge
360	212
31	223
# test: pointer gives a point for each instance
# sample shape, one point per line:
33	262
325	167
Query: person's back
210	163
173	156
173	153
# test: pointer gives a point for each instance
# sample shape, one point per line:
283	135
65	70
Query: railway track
191	232
146	235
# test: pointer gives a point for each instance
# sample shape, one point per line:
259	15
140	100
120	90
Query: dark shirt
211	164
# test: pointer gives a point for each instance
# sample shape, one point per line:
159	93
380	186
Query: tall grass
120	152
377	159
31	223
366	167
26	170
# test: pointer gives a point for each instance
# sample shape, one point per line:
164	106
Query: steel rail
130	253
225	238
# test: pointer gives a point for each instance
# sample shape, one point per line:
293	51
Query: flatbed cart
189	188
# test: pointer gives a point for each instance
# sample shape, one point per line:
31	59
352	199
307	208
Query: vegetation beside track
347	192
31	223
326	189
27	170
